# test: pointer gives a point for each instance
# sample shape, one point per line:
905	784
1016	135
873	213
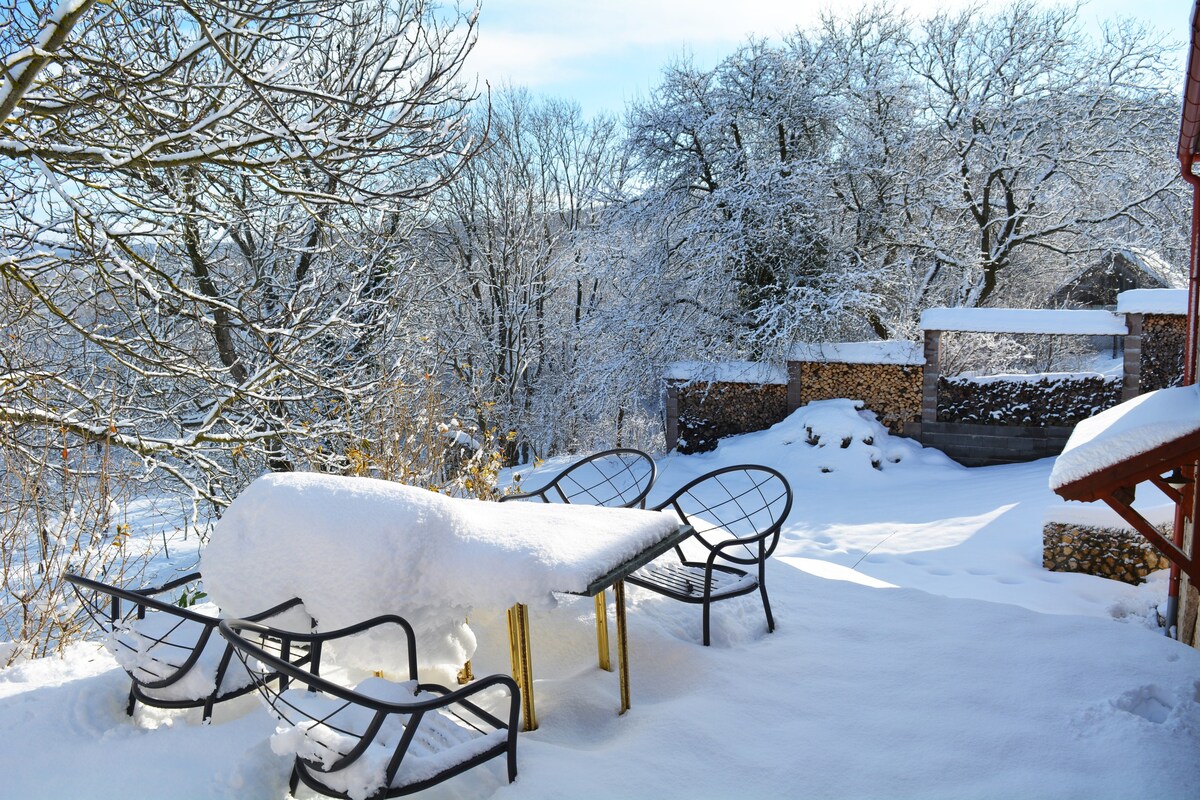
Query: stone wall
1106	552
892	391
986	445
707	411
1046	402
1163	339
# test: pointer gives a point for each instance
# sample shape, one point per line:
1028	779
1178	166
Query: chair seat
323	729
379	738
153	650
685	580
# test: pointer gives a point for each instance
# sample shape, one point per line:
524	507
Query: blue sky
602	53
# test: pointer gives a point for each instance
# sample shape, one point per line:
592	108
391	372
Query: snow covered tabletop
1127	430
355	548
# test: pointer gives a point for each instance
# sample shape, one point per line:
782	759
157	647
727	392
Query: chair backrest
617	478
738	510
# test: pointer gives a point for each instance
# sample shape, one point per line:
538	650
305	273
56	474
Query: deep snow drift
921	652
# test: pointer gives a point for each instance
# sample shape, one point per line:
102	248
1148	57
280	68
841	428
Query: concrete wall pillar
929	382
672	416
1132	364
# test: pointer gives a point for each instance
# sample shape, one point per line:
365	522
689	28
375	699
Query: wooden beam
1189	564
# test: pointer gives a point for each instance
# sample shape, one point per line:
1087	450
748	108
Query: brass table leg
602	631
622	644
522	663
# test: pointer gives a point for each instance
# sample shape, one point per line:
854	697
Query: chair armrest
315	641
175	583
275	610
718	550
539	494
139	598
460	695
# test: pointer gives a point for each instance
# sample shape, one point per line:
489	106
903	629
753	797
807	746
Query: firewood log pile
892	391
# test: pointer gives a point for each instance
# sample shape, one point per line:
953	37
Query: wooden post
795	372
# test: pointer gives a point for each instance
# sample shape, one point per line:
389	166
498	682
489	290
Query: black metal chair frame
111	617
565	487
702	581
457	703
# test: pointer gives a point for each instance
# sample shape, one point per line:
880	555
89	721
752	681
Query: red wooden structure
1115	484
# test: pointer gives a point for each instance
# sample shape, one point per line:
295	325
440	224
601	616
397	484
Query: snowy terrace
921	651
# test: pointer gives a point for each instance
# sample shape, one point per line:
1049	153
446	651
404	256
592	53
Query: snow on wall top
1152	301
905	353
1127	430
1023	320
726	372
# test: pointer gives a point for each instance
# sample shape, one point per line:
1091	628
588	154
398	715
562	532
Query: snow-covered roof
1127	430
906	353
1155	266
726	372
1153	301
1024	320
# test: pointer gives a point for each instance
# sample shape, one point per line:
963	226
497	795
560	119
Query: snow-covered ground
921	652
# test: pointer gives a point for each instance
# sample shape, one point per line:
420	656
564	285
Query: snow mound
833	436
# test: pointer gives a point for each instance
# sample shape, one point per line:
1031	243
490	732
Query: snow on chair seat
378	738
171	655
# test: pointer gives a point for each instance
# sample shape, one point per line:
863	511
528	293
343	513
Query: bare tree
509	253
1038	141
206	199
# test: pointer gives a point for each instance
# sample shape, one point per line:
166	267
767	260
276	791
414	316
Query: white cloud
553	43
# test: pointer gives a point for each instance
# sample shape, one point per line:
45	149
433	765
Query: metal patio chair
170	654
617	478
380	738
737	513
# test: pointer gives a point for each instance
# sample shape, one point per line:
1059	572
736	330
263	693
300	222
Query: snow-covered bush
60	510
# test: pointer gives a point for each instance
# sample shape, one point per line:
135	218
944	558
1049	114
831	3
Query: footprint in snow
1149	702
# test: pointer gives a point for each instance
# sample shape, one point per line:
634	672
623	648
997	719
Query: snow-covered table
356	548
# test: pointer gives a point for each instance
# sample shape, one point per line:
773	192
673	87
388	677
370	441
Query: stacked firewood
892	391
710	411
1163	338
1038	402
